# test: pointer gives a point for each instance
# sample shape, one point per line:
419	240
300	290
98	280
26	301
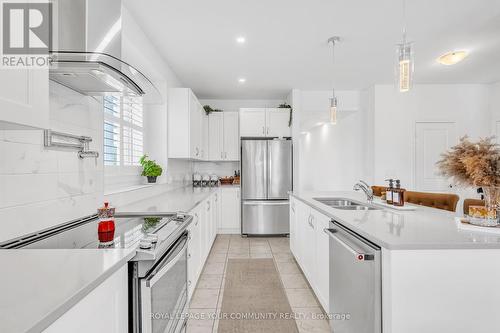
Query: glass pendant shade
404	66
333	111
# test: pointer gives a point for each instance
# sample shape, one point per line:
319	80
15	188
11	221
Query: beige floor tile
301	298
221	243
239	250
313	326
260	249
243	255
223	236
261	255
311	320
313	313
204	299
258	240
217	258
294	281
288	268
219	249
283	257
200	326
214	268
280	248
209	281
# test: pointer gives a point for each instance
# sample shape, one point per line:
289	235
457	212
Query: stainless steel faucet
366	188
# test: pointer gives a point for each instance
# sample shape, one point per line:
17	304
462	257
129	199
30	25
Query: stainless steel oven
163	291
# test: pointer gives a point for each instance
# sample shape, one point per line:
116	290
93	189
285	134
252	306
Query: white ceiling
286	42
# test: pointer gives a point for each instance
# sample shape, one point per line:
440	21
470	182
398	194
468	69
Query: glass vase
491	217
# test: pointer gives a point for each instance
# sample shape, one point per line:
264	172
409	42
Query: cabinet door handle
263	130
189	255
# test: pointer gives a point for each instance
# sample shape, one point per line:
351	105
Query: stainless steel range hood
86	54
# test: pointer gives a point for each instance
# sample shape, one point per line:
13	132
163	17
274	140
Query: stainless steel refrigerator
266	178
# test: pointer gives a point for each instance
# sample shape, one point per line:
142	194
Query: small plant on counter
286	106
208	109
150	169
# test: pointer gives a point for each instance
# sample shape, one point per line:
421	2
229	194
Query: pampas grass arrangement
472	163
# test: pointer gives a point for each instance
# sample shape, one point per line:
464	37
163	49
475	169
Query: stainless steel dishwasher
355	282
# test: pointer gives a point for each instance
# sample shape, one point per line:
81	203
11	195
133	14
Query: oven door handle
170	259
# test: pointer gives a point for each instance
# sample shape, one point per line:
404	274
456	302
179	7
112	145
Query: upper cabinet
187	126
223	136
269	122
252	122
24	98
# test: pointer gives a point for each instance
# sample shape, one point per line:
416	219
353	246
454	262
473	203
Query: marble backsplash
41	187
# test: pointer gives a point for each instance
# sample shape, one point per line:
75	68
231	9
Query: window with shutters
123	132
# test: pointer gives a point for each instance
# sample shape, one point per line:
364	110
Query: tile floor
207	297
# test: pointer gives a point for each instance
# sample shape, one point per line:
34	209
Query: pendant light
404	60
333	100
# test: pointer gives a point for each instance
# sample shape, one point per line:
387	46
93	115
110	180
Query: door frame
414	145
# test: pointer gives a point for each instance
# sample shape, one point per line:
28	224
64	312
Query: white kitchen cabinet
202	233
215	210
293	225
204	144
187	126
24	98
310	246
231	136
252	122
223	138
260	122
322	259
277	121
216	136
230	211
105	309
194	250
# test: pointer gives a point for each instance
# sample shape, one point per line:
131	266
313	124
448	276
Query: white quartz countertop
182	199
38	286
423	228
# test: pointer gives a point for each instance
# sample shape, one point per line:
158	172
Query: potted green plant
208	109
150	169
287	106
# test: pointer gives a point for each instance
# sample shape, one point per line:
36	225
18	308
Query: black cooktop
128	232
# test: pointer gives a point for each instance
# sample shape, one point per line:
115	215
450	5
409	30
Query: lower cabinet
230	211
105	309
202	233
310	247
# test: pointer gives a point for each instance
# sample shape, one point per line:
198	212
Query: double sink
345	204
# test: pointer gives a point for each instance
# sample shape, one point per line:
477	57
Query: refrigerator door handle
266	203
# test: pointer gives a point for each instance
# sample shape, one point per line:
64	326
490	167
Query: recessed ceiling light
451	58
242	80
240	40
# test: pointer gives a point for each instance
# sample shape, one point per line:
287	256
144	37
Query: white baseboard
224	231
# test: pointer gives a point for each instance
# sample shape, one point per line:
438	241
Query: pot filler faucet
366	188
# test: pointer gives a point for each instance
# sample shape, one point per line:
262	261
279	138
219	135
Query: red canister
106	226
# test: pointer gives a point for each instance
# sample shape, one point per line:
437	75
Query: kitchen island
435	277
41	289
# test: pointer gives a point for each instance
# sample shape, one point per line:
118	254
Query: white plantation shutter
123	131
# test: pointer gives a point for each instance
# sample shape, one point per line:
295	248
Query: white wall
139	51
395	115
495	110
43	187
329	157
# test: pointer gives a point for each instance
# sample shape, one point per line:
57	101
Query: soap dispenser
398	198
389	191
